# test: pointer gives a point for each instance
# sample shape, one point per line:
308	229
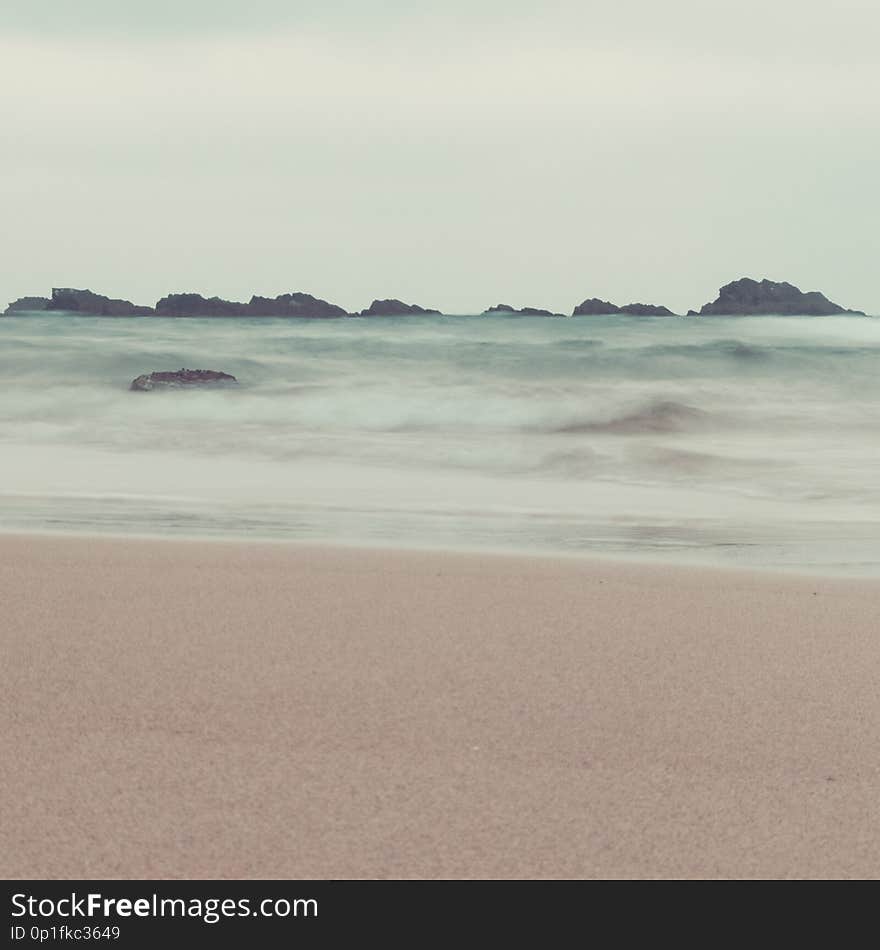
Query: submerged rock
93	305
28	305
747	297
393	308
181	378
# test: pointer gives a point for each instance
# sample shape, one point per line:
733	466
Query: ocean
749	441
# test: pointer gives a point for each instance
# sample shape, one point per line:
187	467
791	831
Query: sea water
746	440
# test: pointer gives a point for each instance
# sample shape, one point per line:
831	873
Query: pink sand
188	709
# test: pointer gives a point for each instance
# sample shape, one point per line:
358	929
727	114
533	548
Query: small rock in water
180	378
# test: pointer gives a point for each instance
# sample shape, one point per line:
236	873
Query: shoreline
259	711
667	558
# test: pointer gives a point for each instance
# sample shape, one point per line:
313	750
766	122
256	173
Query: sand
223	710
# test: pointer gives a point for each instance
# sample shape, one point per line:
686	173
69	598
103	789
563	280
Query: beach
212	709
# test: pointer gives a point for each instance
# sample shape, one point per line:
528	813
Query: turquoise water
744	440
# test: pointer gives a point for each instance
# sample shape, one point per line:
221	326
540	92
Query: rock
646	310
293	305
179	305
195	305
393	308
594	307
94	305
284	305
28	305
692	313
750	297
537	312
181	378
524	312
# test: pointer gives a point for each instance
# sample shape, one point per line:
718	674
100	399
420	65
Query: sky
455	155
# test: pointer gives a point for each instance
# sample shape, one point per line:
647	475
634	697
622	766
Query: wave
659	416
576	343
730	349
738	350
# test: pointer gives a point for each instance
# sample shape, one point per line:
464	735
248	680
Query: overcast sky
454	155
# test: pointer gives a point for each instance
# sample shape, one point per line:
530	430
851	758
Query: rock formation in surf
284	305
393	308
747	297
66	299
28	305
501	308
293	305
646	310
181	378
97	305
741	297
595	307
195	305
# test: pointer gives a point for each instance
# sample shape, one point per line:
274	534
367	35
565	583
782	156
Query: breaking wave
655	417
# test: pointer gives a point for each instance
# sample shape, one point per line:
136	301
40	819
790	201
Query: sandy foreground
188	709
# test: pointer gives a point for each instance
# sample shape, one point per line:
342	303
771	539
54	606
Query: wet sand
176	709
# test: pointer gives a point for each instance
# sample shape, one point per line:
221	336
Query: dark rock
750	297
594	308
284	305
28	305
293	305
537	312
181	378
94	305
393	308
692	313
524	312
195	305
646	310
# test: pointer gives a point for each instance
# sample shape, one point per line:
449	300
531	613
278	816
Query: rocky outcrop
747	297
93	305
595	307
393	308
501	308
181	379
182	305
195	305
741	297
523	312
28	305
294	305
646	310
284	305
